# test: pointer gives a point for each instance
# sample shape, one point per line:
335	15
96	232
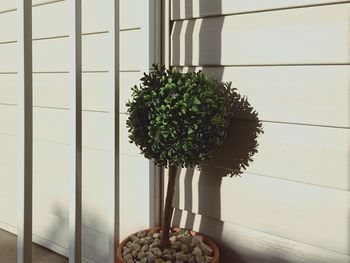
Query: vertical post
25	132
166	33
153	33
113	115
75	128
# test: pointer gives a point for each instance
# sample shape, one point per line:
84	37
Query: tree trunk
168	209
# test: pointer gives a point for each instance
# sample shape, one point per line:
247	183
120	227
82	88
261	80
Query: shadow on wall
231	159
94	237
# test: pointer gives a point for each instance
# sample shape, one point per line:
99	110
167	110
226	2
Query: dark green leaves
177	118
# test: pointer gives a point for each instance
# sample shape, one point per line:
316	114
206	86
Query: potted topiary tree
177	119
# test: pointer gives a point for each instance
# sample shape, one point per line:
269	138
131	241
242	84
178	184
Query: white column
75	128
113	115
25	132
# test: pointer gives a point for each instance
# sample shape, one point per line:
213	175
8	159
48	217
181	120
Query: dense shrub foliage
178	118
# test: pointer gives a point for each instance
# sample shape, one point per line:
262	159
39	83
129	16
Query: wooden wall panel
125	146
51	125
50	33
8	85
313	155
51	90
6	5
134	174
304	94
291	210
48	20
8	26
240	244
55	229
49	54
317	35
127	81
315	152
291	60
185	9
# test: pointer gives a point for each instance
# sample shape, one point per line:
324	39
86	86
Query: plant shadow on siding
231	159
241	144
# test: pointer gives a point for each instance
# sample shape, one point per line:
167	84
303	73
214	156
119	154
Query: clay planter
206	240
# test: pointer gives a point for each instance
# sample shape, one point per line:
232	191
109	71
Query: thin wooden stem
168	209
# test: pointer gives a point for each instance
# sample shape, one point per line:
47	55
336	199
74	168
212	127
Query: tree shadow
235	155
241	144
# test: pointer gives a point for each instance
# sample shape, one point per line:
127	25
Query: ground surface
8	251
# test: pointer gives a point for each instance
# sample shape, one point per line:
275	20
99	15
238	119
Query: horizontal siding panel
51	196
8	26
315	152
94	17
185	9
134	171
133	209
51	90
8	88
6	5
239	244
131	52
131	14
134	177
310	214
54	165
313	155
125	146
296	36
52	55
52	125
8	212
55	229
316	95
127	81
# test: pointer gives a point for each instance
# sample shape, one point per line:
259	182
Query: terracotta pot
206	240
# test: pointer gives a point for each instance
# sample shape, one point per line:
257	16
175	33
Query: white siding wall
50	59
292	60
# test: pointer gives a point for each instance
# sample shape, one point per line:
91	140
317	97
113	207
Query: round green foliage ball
178	118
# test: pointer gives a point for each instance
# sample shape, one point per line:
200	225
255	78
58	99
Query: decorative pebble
192	259
133	238
197	251
206	249
134	254
126	251
185	248
127	257
135	247
173	239
176	245
200	259
141	234
196	240
144	247
141	255
156	235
